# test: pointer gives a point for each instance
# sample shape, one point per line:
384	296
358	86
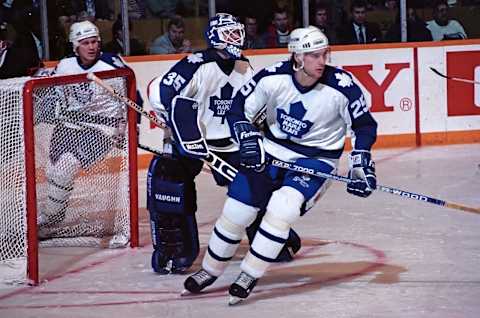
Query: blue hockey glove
252	154
362	172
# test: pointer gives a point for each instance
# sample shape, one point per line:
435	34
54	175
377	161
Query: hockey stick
402	193
455	78
214	161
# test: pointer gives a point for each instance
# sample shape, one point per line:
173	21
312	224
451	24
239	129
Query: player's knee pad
292	246
60	178
171	201
230	228
283	208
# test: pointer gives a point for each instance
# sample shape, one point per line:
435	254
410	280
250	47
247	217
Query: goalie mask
225	32
82	30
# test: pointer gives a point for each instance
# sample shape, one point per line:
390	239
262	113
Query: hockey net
67	168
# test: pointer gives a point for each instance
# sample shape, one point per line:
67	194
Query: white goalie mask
225	32
82	30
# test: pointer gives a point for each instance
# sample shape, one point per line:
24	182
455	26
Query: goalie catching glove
252	154
362	173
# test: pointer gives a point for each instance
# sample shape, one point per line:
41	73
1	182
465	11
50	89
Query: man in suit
359	30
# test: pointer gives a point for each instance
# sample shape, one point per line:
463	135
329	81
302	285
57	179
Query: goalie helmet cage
102	208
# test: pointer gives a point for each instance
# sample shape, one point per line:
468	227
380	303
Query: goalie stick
214	161
402	193
454	78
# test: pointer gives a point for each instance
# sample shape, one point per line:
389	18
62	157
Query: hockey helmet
304	40
82	30
225	32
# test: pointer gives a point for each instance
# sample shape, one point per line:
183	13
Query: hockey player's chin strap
301	68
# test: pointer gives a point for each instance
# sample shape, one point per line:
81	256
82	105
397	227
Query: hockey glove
362	173
252	154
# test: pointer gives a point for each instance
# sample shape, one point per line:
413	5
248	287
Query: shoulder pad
342	81
112	59
279	68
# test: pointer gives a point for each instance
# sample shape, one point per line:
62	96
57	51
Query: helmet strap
302	64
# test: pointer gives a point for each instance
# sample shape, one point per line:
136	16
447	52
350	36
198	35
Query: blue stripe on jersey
363	124
307	151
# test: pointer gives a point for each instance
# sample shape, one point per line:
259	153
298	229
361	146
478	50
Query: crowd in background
267	24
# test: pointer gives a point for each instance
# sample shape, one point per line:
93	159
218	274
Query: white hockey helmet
304	40
82	30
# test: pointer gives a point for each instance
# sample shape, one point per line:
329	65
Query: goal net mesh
81	168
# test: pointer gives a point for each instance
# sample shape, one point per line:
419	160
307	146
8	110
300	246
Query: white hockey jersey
212	82
306	122
90	98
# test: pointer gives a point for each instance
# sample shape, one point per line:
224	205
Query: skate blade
233	300
185	292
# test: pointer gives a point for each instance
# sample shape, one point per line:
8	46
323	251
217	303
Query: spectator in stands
359	30
278	33
391	5
252	39
116	44
173	41
321	21
136	9
442	27
18	53
416	29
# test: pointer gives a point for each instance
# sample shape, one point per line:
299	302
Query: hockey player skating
193	97
310	106
88	127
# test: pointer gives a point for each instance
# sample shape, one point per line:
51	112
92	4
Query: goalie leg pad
227	234
60	178
171	201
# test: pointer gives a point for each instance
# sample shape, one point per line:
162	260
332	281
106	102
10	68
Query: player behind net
193	97
88	123
310	106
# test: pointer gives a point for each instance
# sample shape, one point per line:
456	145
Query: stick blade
438	73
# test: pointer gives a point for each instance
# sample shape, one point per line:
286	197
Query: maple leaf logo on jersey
219	105
195	58
343	80
293	124
117	62
273	68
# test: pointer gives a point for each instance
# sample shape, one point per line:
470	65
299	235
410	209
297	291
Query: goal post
68	168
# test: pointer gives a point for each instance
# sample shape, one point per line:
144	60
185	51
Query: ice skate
195	283
241	288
